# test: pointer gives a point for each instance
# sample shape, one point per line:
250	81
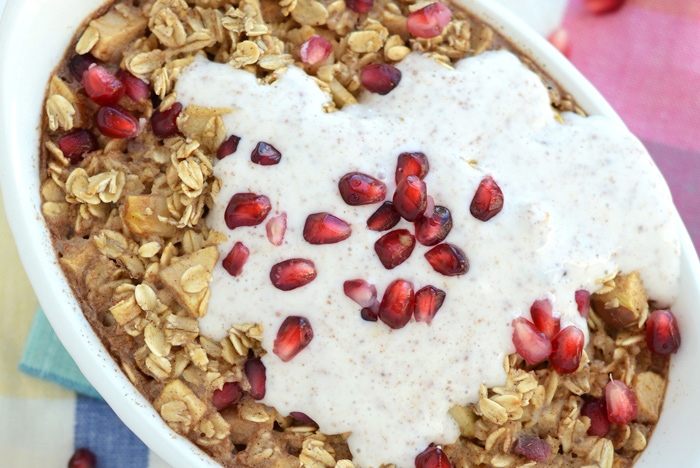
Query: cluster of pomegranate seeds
487	201
385	218
246	209
532	447
136	88
567	347
230	394
448	260
265	154
397	304
620	402
394	248
79	64
275	228
559	38
303	418
583	302
102	86
359	6
414	163
361	292
236	258
429	21
292	274
433	229
529	342
357	188
76	143
164	123
428	301
603	6
411	198
255	372
228	147
294	335
115	122
324	228
544	319
82	458
380	78
596	410
315	50
663	336
433	457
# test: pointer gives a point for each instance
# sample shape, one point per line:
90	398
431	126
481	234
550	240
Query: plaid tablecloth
645	59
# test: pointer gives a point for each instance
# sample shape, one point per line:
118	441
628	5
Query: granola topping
521	231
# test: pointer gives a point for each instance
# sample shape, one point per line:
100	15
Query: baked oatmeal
356	292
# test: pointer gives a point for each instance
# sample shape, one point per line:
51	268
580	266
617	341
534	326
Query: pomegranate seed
136	88
246	209
102	86
228	147
429	21
433	230
433	457
292	274
559	38
357	188
82	458
236	258
76	143
359	6
315	50
488	200
394	248
324	228
397	304
583	302
620	402
597	412
448	260
410	198
276	227
362	292
428	301
368	314
380	78
302	417
79	64
384	218
544	319
255	372
164	124
567	347
415	164
115	122
663	336
294	334
265	154
532	447
603	6
230	394
429	207
529	342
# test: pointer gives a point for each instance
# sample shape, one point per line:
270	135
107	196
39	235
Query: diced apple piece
175	278
142	212
117	28
623	305
77	255
179	406
649	390
465	419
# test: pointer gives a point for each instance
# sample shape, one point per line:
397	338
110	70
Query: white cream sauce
582	199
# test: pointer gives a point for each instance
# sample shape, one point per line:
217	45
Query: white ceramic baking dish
34	34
